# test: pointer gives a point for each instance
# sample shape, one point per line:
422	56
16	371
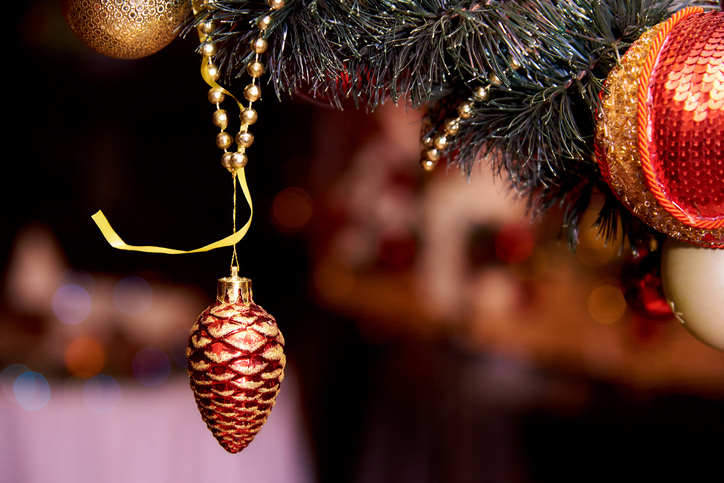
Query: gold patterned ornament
125	29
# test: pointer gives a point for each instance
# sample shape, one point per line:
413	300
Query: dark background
83	132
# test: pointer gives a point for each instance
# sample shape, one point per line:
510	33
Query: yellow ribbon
116	242
213	83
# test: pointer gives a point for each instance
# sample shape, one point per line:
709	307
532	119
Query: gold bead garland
234	161
435	140
237	160
252	93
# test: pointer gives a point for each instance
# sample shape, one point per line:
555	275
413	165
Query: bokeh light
71	304
333	277
593	249
101	394
514	243
606	303
133	296
151	366
32	391
8	377
533	267
78	277
85	357
292	209
396	246
176	347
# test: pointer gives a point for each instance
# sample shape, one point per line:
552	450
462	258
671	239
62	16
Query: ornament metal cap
230	289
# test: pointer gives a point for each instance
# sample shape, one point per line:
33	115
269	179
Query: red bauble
642	286
235	364
660	136
685	125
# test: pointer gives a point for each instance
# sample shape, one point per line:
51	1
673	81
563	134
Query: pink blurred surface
153	435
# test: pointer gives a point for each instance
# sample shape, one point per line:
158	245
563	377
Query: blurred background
433	333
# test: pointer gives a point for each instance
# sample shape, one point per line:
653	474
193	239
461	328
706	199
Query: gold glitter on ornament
125	29
237	376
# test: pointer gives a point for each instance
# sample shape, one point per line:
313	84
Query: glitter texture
125	29
617	148
236	364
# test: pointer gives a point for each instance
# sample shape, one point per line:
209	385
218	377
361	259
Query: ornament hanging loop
234	255
234	289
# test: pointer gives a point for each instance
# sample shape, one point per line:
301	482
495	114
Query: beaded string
234	161
435	140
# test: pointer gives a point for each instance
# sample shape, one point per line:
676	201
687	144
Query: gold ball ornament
428	165
220	118
259	45
249	116
276	4
208	49
255	68
481	94
693	280
239	160
208	27
245	139
224	140
494	79
263	22
216	95
252	93
213	71
441	141
124	29
226	161
465	110
452	126
433	154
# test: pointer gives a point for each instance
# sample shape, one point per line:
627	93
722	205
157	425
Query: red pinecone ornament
236	364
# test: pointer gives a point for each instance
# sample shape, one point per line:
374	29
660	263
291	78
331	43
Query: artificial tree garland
524	86
542	62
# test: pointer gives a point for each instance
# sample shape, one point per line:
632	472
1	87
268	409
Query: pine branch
551	57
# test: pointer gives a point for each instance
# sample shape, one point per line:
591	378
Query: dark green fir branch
545	62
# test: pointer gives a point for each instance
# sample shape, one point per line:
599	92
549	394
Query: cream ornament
693	279
125	29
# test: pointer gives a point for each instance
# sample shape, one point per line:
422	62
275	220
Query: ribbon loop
116	242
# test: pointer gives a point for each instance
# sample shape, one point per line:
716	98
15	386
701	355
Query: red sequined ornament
685	125
642	286
660	138
235	364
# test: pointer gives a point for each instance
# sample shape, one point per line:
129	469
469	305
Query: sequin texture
617	146
686	117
